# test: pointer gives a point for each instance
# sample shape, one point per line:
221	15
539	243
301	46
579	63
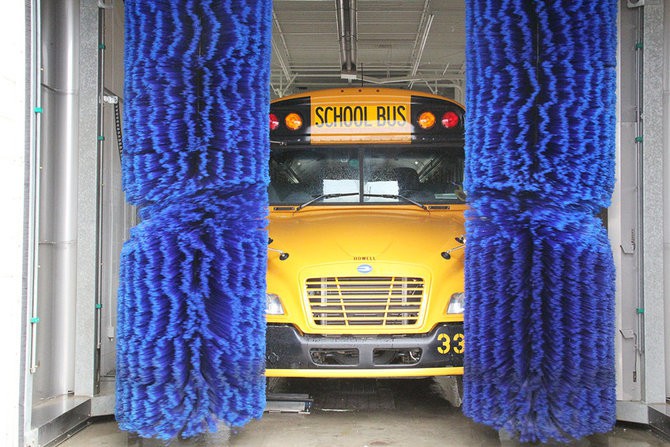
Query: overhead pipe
422	47
419	34
422	20
280	58
346	26
284	66
281	32
353	35
58	197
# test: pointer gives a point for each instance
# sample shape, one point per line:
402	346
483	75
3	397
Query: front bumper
292	354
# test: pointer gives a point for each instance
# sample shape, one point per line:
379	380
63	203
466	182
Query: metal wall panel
666	189
82	218
652	206
16	116
87	201
624	217
636	217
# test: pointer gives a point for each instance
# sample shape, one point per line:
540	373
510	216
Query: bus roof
363	91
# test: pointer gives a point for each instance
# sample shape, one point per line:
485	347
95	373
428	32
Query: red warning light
450	120
274	122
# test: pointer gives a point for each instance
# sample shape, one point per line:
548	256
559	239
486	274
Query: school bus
366	230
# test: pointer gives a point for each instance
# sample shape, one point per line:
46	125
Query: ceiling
417	44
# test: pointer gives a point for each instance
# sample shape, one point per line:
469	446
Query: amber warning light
293	121
426	120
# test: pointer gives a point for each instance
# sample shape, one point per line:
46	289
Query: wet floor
363	413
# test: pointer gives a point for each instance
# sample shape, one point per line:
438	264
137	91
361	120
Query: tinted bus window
424	174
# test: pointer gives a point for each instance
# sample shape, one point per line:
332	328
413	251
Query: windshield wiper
326	196
398	196
344	194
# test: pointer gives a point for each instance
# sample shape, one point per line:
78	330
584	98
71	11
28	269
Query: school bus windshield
428	175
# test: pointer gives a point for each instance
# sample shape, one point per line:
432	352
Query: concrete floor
363	413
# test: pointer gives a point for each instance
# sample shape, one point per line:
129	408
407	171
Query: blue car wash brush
540	129
191	303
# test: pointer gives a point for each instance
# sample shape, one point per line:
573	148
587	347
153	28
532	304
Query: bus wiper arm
398	196
326	196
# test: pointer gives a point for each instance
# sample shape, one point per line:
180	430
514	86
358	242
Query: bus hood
317	236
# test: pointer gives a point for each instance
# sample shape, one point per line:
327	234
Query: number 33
446	346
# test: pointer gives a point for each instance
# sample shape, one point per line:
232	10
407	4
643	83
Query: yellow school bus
365	266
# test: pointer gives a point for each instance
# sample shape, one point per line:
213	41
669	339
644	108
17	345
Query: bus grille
365	301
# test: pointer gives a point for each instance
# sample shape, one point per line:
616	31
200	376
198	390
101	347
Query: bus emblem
364	268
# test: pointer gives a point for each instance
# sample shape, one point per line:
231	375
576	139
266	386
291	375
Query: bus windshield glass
427	175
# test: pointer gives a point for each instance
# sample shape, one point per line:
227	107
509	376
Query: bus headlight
456	303
273	304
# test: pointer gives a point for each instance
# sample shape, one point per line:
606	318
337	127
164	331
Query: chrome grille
365	301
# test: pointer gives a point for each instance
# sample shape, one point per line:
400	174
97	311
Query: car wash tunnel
335	223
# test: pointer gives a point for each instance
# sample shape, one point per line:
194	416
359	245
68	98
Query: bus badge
364	268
